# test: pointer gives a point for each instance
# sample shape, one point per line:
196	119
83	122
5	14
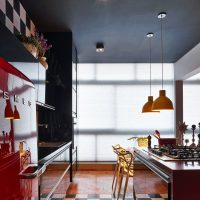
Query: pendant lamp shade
162	102
147	108
148	105
8	113
16	114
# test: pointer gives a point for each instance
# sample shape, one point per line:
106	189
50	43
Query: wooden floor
97	185
99	182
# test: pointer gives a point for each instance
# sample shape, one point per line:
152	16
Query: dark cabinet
59	82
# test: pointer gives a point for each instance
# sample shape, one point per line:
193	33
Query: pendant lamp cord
150	62
161	36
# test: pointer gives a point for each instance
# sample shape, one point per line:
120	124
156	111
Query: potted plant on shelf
43	48
37	46
30	43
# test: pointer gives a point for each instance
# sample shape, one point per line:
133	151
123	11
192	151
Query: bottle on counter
21	148
149	142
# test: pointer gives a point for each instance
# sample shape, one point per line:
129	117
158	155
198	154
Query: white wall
188	65
37	74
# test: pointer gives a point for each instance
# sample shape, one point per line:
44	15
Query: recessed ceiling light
99	47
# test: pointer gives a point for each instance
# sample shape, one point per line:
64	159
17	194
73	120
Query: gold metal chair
125	166
126	162
116	149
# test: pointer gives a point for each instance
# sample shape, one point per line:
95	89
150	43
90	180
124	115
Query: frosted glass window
87	147
115	72
142	71
156	71
87	71
96	110
110	107
130	100
73	71
191	100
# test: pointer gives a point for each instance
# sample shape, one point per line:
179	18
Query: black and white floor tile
103	197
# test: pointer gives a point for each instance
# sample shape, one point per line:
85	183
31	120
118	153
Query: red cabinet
18	135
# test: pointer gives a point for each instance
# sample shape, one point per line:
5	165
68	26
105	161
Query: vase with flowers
43	48
30	43
37	45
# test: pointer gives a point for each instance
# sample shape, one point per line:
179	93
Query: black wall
58	88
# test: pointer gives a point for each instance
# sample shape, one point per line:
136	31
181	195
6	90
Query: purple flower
43	43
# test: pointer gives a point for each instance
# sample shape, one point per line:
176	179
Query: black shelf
12	50
45	105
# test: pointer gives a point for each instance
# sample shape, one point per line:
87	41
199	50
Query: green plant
29	40
38	42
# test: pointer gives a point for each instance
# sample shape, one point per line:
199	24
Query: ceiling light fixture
148	105
162	102
99	47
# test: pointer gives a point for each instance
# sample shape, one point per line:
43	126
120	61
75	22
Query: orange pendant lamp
162	102
148	105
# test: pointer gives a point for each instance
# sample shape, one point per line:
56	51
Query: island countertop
182	176
169	164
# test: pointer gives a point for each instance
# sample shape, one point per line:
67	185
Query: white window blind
111	97
191	99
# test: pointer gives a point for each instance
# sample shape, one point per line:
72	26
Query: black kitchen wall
58	88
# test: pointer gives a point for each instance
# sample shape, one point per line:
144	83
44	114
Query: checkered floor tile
104	197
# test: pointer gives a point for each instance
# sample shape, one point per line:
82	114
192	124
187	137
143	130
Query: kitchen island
182	176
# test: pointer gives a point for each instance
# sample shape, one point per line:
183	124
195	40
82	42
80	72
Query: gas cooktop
176	152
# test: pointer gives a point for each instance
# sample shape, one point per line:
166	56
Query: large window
111	97
191	101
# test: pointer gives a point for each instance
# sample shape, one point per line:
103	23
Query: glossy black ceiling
122	26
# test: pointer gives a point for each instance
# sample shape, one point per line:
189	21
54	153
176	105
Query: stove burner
177	152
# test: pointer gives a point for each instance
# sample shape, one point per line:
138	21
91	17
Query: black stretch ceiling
122	26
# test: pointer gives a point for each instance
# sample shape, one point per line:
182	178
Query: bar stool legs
121	176
117	178
134	194
125	188
117	149
124	167
115	175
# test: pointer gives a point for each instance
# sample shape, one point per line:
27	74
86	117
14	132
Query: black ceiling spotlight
99	47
